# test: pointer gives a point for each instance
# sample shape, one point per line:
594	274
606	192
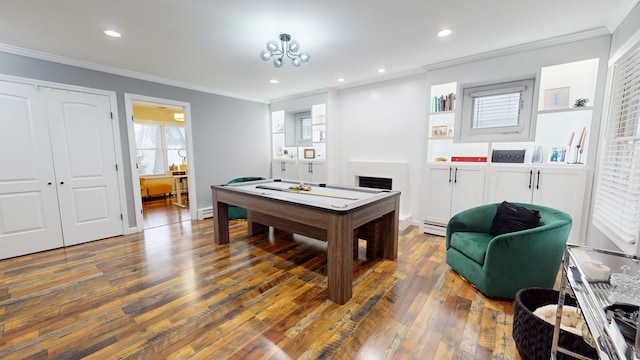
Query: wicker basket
533	336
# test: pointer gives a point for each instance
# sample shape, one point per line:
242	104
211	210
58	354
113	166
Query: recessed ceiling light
445	32
341	80
112	33
273	81
380	70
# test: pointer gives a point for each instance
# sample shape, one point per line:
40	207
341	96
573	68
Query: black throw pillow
511	218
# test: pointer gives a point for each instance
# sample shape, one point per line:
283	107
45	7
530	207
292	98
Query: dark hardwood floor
171	293
160	211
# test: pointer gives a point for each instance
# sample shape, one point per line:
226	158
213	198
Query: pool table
330	213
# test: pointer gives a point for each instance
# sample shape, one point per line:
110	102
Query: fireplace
396	174
375	182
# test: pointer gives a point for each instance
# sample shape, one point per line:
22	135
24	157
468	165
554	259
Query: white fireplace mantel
397	171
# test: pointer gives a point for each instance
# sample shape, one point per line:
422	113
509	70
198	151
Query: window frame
164	147
615	206
465	115
301	127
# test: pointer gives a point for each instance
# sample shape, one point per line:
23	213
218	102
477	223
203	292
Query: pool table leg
254	228
389	227
340	258
220	221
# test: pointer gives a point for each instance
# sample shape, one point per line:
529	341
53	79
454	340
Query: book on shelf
469	159
443	103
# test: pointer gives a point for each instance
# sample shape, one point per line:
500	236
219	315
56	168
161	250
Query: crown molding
117	71
535	45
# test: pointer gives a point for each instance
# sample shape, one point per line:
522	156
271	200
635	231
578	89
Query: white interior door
29	217
85	165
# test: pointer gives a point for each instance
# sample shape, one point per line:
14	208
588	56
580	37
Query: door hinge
116	167
132	118
111	115
121	217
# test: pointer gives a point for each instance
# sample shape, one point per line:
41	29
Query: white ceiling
214	45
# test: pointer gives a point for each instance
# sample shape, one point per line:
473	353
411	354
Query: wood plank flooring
171	293
160	211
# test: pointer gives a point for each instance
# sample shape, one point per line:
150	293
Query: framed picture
440	131
557	98
558	154
309	153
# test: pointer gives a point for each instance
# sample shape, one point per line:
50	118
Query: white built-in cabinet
449	189
312	171
558	187
59	186
284	169
559	125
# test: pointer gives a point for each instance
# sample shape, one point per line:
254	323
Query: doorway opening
161	165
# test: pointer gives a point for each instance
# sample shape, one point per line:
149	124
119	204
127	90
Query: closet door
84	157
29	217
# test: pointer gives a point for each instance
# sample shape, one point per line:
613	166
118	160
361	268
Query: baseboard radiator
434	228
204	213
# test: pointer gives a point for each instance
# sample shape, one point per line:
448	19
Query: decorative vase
537	155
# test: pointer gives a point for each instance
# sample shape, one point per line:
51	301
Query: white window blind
617	200
497	109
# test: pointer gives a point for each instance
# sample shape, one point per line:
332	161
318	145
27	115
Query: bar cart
594	276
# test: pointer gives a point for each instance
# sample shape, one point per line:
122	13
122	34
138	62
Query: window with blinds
497	112
617	196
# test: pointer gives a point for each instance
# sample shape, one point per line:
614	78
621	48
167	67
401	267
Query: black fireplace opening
374	182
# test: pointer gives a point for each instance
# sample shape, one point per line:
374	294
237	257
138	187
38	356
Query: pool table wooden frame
336	226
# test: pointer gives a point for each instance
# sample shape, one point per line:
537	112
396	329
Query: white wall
383	122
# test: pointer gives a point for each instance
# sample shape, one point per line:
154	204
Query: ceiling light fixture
380	71
273	81
287	47
445	32
112	33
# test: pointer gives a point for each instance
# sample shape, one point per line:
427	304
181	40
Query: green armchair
501	265
236	212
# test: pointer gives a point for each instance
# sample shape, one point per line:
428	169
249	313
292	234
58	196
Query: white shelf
565	110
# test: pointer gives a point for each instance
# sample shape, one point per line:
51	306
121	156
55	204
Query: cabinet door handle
49	183
61	182
282	166
538	181
530	178
450	174
311	168
455	176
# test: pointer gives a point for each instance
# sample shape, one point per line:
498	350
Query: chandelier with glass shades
287	47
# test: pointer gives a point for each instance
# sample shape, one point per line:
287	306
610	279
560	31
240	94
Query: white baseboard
204	213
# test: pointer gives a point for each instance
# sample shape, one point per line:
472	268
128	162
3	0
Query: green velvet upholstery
500	266
238	212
